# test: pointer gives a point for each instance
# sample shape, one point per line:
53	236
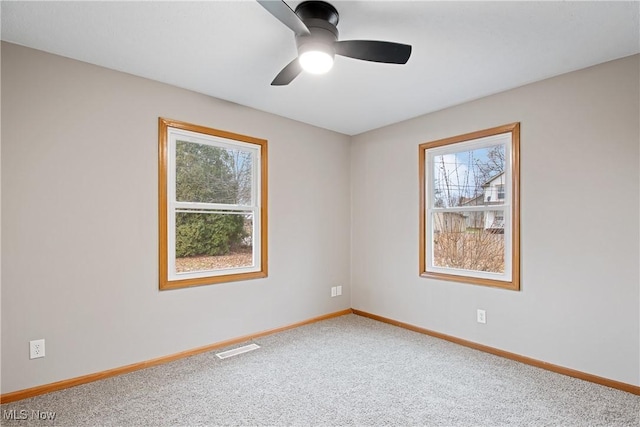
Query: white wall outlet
334	291
339	290
36	349
482	316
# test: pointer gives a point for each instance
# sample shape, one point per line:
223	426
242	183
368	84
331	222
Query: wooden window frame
261	264
512	282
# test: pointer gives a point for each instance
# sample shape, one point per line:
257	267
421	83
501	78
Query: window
469	208
212	205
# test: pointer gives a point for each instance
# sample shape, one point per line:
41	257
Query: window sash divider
212	206
215	211
479	208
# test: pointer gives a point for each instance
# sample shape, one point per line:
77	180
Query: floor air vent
237	351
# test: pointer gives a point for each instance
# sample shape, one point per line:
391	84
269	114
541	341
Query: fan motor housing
321	19
317	10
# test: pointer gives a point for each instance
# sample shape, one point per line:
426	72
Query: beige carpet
344	371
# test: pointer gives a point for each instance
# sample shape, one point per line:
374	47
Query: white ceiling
233	50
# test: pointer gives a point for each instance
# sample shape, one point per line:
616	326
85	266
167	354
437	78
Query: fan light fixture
314	24
316	61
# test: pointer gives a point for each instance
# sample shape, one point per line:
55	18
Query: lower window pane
469	241
207	241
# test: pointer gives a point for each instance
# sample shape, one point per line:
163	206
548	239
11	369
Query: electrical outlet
334	291
482	316
36	349
339	290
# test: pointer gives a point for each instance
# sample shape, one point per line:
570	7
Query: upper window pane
210	174
461	178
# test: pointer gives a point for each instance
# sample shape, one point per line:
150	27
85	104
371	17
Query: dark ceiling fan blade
284	14
288	73
376	51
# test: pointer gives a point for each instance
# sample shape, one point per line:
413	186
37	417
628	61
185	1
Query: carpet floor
346	371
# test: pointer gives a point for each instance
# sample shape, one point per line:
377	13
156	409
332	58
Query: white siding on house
492	193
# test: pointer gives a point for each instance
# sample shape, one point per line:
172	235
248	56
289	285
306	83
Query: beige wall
79	222
580	303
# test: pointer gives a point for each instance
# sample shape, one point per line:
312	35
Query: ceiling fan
314	24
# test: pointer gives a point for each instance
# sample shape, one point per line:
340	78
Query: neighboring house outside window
469	216
493	191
